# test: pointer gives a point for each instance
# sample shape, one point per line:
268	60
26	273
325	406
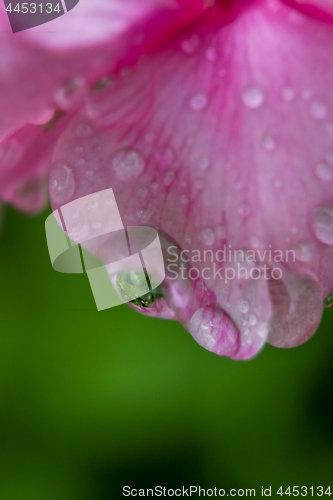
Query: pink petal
224	137
42	68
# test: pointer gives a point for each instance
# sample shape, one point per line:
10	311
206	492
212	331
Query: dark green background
90	402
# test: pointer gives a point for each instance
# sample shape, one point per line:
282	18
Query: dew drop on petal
89	173
252	320
244	306
184	199
144	213
324	172
69	95
323	224
62	182
304	251
198	102
253	97
212	329
318	110
208	236
128	163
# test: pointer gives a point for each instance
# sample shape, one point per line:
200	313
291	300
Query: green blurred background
92	401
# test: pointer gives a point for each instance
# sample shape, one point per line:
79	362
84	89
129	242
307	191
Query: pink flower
211	121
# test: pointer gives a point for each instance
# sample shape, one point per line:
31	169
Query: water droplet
268	143
154	186
83	130
109	202
78	149
214	331
304	251
92	206
252	320
190	44
244	306
62	182
288	94
253	97
318	110
144	213
211	54
323	224
184	199
198	102
188	238
263	330
204	163
164	156
77	228
143	191
70	94
324	172
89	173
128	163
208	236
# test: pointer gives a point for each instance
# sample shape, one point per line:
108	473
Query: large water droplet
253	97
208	236
324	172
62	183
318	110
323	224
128	163
214	331
198	102
190	45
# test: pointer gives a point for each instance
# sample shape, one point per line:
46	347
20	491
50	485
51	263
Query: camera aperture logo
123	264
25	15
